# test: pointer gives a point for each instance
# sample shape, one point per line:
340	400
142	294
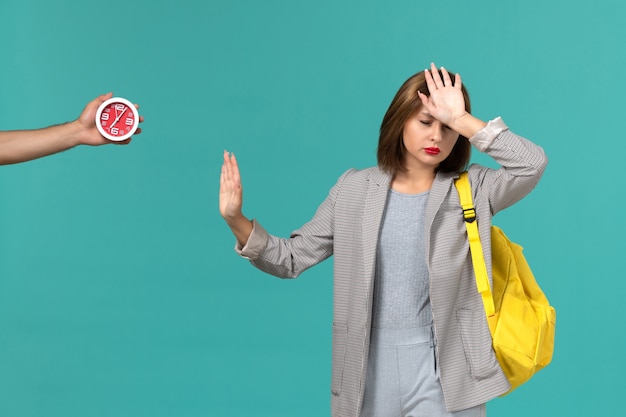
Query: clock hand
118	117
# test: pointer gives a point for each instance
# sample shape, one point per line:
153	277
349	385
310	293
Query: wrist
467	125
236	220
241	227
76	133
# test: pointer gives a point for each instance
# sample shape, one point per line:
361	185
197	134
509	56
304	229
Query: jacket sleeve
309	245
522	164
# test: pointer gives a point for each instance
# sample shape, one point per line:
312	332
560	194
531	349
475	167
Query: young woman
410	336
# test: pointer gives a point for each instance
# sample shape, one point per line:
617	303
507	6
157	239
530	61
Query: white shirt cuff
485	136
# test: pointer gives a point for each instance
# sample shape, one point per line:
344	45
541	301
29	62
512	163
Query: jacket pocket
340	338
477	345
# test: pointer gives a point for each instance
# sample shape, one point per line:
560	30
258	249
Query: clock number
104	116
120	107
115	131
129	121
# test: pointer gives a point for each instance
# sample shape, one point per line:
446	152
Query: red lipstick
432	151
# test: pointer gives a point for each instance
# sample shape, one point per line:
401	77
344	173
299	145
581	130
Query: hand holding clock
98	131
24	145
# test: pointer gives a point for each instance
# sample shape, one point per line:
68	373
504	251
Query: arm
285	258
25	145
522	162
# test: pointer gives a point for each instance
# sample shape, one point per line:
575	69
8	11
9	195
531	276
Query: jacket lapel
438	192
375	200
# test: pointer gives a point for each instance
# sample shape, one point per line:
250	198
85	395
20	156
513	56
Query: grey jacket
347	225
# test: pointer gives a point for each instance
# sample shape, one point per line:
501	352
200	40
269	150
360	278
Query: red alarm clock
117	119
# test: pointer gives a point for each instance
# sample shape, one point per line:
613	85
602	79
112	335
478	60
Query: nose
436	133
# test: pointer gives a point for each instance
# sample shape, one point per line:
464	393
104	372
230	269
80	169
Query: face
427	141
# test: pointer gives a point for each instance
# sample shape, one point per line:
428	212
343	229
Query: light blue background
120	294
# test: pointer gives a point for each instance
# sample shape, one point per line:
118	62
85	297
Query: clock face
117	119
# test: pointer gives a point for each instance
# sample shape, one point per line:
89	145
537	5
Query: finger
104	97
225	164
230	174
226	186
93	104
223	176
235	171
435	74
424	98
225	168
427	103
446	77
457	81
430	83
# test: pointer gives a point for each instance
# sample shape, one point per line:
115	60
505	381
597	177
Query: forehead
423	112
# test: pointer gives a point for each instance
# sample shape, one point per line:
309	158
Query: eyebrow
425	113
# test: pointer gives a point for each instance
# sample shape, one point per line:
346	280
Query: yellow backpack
521	320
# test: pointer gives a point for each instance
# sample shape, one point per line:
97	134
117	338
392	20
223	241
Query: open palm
446	102
231	193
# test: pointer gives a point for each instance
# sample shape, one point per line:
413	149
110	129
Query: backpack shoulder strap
464	189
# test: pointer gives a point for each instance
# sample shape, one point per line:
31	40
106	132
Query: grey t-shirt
401	285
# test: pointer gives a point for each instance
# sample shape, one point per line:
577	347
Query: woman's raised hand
231	199
231	194
446	102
